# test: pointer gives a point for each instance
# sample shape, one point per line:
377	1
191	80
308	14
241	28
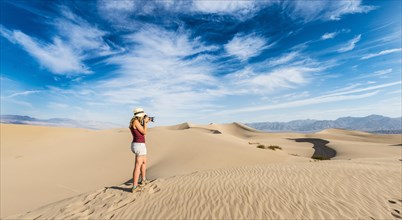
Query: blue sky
201	61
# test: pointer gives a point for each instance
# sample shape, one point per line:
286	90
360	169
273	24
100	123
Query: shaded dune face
322	151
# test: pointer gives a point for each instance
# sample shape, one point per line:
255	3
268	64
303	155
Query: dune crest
344	132
235	128
182	126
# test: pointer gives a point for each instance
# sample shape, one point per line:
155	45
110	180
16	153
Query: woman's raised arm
141	129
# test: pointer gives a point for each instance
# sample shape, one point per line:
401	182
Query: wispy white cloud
284	59
86	39
382	72
13	93
396	92
307	10
246	46
333	97
19	103
24	93
384	40
173	70
226	7
366	88
368	56
347	88
293	96
121	5
118	11
9	35
340	8
58	57
164	67
75	41
246	81
390	107
329	35
326	10
350	45
240	9
55	105
281	78
159	69
304	102
127	7
378	74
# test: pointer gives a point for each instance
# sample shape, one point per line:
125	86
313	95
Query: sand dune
40	165
290	191
199	171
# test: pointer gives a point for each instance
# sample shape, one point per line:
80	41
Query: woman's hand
141	128
146	119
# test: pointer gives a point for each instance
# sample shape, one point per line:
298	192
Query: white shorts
139	149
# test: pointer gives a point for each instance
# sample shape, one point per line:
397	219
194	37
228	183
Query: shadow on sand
321	150
128	183
120	188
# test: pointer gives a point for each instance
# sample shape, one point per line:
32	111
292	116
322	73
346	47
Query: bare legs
140	167
144	168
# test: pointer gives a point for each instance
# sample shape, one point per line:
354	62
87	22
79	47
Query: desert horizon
372	123
199	171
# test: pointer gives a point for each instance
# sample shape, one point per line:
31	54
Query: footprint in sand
154	189
110	216
394	211
120	204
108	197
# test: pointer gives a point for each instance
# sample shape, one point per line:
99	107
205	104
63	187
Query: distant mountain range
57	122
371	123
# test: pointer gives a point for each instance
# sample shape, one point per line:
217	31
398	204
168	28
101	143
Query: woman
138	128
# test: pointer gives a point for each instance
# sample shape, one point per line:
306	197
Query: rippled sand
199	173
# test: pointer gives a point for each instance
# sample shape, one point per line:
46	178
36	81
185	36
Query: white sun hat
139	112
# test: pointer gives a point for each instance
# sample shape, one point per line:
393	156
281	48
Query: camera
150	118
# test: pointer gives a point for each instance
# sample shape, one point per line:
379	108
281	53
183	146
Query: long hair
140	119
131	122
